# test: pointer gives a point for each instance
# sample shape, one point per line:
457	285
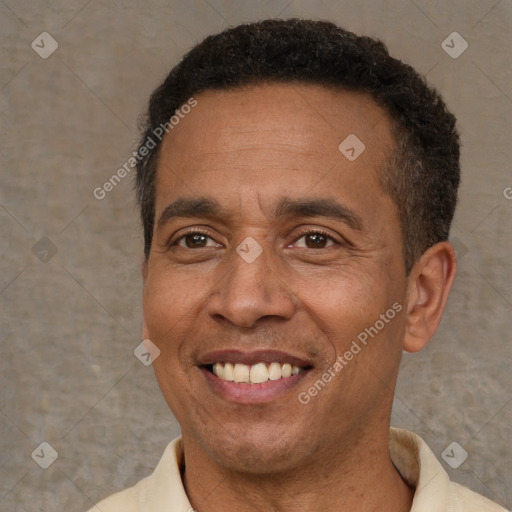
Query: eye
195	241
315	240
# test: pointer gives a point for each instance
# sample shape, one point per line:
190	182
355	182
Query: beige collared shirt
163	490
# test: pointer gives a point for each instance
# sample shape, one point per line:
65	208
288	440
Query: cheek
347	303
342	293
168	317
169	295
362	320
170	310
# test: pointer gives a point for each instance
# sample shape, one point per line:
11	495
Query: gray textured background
69	321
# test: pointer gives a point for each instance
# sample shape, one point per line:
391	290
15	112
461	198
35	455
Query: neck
359	478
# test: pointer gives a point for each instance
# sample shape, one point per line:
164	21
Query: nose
247	292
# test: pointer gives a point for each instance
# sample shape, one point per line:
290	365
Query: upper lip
252	357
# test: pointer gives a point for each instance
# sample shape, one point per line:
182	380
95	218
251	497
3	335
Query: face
273	249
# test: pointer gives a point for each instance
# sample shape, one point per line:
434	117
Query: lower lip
246	393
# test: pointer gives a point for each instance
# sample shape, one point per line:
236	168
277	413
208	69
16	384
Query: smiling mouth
256	373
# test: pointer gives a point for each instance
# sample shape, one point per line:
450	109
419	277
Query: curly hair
421	176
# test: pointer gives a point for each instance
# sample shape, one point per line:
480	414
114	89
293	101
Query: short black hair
422	175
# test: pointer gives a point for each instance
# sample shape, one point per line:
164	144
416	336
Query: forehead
275	138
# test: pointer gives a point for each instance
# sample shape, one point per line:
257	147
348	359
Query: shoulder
470	501
156	491
126	501
421	469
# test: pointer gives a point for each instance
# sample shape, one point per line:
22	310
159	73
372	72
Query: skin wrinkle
278	454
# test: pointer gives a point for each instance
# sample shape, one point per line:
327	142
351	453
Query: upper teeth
256	373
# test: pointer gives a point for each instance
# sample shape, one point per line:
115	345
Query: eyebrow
200	207
314	207
287	207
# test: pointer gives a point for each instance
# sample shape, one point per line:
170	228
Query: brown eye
194	241
315	241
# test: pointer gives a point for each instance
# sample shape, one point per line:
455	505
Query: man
296	201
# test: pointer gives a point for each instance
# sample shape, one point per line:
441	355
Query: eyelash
191	231
205	232
317	232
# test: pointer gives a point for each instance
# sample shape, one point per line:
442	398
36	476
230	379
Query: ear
429	284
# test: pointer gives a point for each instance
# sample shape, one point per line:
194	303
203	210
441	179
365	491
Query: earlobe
429	285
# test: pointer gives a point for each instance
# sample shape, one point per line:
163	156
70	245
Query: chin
257	451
